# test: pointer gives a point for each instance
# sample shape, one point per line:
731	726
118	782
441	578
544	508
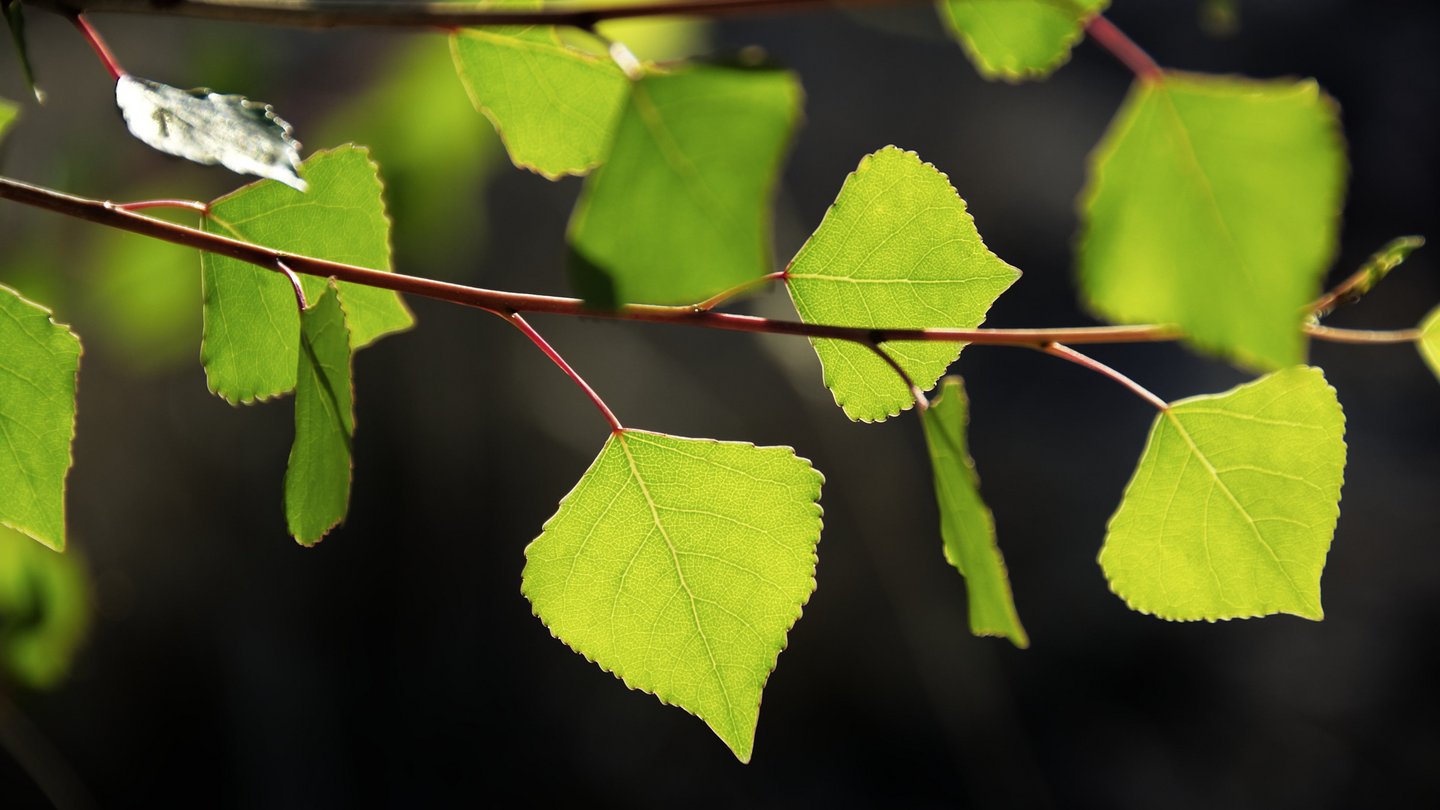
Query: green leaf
679	565
1213	204
966	525
1429	342
1231	511
317	479
680	210
896	250
244	136
38	363
554	106
251	342
1018	39
44	610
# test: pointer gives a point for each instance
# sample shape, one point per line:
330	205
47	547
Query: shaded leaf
1429	342
1232	508
317	478
554	106
44	610
680	565
244	136
896	250
38	363
966	525
1018	39
1213	204
680	209
250	346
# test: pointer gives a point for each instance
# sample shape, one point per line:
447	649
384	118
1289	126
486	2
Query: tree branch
115	216
436	15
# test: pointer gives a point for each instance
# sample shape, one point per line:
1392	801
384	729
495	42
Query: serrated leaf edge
819	513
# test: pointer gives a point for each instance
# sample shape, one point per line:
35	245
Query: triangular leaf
317	477
1232	508
966	525
38	363
244	136
680	209
554	106
680	565
896	250
1018	39
1429	342
44	610
1213	204
250	348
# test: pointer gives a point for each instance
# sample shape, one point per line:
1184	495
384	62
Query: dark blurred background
398	664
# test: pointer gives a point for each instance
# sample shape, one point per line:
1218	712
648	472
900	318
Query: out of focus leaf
680	210
244	136
553	105
1018	39
44	610
1213	204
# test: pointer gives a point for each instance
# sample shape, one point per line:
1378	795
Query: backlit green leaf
554	106
38	362
1233	505
679	565
1213	204
317	479
1429	343
680	209
966	525
1018	39
896	250
44	610
252	325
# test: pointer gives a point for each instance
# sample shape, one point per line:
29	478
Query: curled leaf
244	136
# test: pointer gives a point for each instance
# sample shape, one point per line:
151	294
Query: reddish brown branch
528	331
1123	48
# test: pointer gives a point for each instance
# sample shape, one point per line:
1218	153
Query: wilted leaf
244	136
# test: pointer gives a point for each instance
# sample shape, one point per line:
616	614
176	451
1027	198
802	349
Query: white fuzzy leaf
244	136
